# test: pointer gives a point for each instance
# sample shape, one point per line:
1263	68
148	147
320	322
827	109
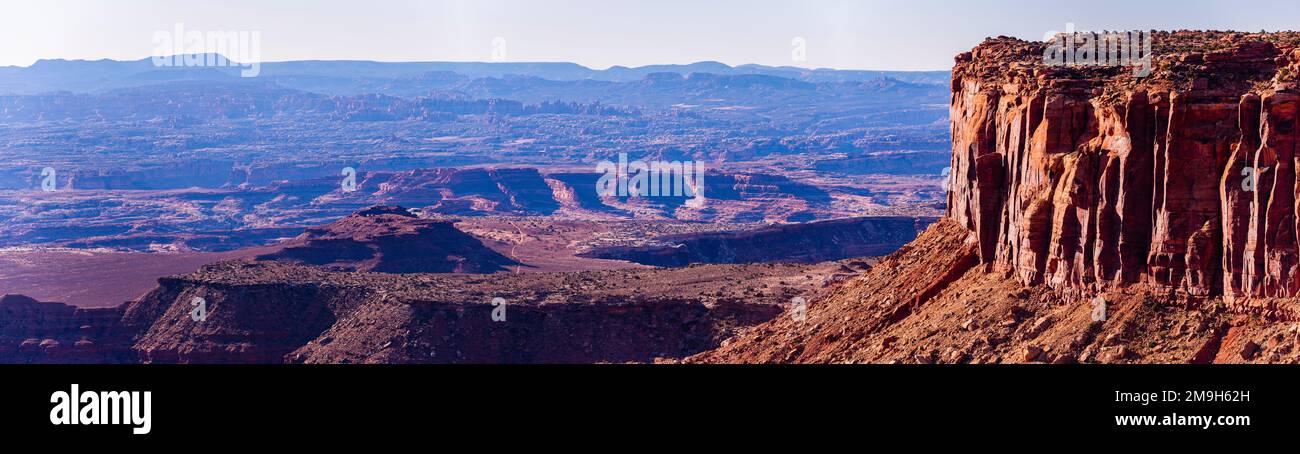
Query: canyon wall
271	312
1089	178
807	243
40	332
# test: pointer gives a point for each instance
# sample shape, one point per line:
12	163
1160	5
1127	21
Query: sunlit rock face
1086	178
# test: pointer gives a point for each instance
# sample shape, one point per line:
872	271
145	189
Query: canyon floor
386	285
106	277
931	302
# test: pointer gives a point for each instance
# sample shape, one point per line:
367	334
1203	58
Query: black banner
250	402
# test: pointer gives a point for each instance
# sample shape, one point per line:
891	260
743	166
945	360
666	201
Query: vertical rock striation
1086	178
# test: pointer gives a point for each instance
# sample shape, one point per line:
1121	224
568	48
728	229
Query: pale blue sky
846	34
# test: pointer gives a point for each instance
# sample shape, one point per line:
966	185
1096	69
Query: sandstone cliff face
1074	182
243	323
1085	179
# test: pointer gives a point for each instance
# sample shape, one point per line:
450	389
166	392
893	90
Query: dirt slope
931	303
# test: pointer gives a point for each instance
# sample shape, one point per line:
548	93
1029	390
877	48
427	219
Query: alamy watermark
799	49
1098	313
49	179
199	313
1085	48
76	407
653	179
799	309
192	48
1250	178
349	183
499	54
498	309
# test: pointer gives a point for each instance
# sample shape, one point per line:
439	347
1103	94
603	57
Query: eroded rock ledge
1085	179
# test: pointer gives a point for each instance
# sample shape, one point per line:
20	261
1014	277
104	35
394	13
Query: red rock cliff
1088	178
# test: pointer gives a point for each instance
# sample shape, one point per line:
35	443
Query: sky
842	34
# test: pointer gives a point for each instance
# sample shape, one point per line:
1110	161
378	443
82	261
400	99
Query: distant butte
390	239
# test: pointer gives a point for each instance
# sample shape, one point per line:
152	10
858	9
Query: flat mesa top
1179	61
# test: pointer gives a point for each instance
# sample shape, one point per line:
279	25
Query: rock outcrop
1088	178
390	239
837	326
270	312
274	312
932	302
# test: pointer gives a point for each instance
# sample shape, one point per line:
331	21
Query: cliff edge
1094	215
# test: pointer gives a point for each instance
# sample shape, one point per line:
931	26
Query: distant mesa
390	239
349	77
13	299
793	243
385	210
467	191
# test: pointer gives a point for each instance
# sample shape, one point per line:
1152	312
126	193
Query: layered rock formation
39	332
379	287
272	312
466	191
1168	202
808	243
1088	178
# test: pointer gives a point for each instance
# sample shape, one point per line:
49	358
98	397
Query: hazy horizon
508	63
882	35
